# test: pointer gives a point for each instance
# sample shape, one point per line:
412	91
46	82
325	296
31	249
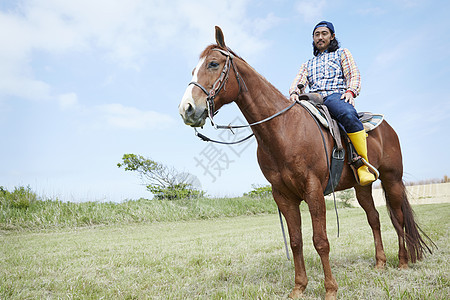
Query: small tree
21	197
346	197
162	181
259	191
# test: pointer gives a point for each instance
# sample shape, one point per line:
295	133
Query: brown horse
291	157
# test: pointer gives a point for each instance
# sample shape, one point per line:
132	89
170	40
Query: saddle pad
370	121
373	122
311	107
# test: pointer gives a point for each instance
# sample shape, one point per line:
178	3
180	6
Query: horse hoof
380	265
330	296
296	294
403	266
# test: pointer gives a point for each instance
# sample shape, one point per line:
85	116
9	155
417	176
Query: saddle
313	102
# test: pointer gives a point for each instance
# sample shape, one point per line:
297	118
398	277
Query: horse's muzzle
192	115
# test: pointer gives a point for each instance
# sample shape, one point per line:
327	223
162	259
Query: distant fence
418	194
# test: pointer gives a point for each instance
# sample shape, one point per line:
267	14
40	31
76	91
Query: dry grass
432	193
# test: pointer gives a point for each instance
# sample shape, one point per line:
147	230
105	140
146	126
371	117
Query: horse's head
210	88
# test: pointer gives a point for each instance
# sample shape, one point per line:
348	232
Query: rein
231	127
218	85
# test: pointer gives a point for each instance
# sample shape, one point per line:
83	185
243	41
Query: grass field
224	258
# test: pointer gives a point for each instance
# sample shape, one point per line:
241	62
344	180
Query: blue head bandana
327	24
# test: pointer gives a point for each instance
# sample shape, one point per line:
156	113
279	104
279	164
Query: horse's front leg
317	209
289	207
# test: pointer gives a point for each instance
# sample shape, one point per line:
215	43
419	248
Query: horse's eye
213	65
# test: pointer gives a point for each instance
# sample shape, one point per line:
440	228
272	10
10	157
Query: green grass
46	214
57	214
223	258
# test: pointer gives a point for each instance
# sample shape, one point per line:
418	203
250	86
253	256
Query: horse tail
416	239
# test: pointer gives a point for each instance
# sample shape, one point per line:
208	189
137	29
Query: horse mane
211	47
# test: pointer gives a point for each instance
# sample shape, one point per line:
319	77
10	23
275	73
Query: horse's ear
220	40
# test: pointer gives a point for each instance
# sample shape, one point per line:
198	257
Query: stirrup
359	162
372	169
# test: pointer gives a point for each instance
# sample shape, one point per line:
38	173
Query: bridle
218	85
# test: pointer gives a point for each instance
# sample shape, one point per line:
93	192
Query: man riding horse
333	73
287	139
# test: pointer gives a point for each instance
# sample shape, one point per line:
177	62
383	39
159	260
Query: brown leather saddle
313	102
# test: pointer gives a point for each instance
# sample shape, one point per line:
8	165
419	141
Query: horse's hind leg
395	193
365	199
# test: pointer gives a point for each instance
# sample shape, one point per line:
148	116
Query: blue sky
83	82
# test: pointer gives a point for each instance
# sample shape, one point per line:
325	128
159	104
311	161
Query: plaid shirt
328	73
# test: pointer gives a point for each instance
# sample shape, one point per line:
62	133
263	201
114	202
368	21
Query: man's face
322	38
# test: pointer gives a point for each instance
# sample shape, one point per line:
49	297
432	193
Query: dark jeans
344	113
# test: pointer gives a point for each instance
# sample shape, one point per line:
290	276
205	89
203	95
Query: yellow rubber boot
359	142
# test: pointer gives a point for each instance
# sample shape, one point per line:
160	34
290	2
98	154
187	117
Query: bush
346	197
20	198
178	191
259	191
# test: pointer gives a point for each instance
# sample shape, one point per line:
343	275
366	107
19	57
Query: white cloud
125	117
68	101
393	50
125	32
261	25
311	11
114	115
371	11
23	87
409	3
197	20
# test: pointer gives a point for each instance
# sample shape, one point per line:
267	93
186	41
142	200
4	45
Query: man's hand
294	97
348	97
